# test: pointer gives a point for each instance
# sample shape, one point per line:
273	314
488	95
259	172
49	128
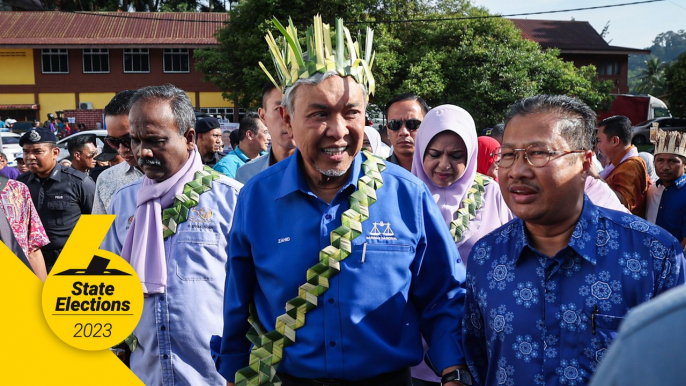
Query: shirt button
165	356
332	343
328	217
163	328
331	301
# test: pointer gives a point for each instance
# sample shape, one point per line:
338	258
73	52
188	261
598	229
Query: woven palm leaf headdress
347	59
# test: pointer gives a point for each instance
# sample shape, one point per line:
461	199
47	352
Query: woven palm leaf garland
187	199
468	207
268	347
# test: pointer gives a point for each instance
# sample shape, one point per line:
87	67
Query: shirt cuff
227	364
447	353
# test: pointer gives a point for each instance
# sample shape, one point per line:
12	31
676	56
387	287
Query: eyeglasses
91	154
410	124
115	142
535	155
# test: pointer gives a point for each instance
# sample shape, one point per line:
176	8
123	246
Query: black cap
37	135
206	124
107	153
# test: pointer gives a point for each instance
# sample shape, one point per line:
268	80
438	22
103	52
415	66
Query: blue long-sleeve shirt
534	320
369	322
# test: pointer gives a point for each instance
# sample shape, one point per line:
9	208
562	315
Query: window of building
55	61
136	60
225	112
177	60
96	61
609	68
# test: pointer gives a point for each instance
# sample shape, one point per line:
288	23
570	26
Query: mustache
149	161
406	139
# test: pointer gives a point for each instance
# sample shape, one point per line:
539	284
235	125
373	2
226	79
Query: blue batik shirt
534	320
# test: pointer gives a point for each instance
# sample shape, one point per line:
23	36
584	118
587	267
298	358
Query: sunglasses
115	142
410	124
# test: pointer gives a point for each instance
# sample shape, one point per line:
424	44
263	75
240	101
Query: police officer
60	194
208	138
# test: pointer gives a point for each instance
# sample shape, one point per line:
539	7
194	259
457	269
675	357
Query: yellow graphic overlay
92	299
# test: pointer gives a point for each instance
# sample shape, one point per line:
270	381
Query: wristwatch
460	375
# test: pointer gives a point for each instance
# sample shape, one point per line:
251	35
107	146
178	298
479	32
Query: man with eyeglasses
404	113
60	194
82	150
253	141
547	291
117	125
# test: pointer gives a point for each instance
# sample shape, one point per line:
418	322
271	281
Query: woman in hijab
446	160
372	141
485	162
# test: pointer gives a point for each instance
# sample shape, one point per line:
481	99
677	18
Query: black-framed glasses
115	142
536	155
397	124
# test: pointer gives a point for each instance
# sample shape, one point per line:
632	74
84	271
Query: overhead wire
424	20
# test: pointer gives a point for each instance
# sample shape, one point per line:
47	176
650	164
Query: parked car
62	143
21	127
641	132
11	148
375	114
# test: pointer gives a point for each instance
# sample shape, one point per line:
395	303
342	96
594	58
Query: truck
638	108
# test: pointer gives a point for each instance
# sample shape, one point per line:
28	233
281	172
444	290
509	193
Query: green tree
675	77
651	78
233	66
481	64
667	46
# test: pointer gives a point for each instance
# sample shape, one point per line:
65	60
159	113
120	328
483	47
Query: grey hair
180	104
289	95
577	120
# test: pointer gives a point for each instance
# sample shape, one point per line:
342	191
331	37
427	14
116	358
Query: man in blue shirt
547	291
402	276
253	140
179	255
282	145
667	198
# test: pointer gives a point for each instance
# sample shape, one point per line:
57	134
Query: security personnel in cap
60	194
209	140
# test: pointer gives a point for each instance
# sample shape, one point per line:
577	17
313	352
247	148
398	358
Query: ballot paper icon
97	267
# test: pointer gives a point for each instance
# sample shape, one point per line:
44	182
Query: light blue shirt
252	168
175	328
536	320
403	277
231	162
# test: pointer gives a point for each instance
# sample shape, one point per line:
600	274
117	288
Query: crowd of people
58	125
441	258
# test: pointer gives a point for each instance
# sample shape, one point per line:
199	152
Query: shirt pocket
606	326
58	211
196	255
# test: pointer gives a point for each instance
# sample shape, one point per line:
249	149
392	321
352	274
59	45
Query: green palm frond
347	59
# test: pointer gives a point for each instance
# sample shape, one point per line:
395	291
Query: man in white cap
667	198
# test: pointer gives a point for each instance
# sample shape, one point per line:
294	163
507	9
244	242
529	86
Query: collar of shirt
56	174
240	154
294	175
586	229
679	183
620	157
